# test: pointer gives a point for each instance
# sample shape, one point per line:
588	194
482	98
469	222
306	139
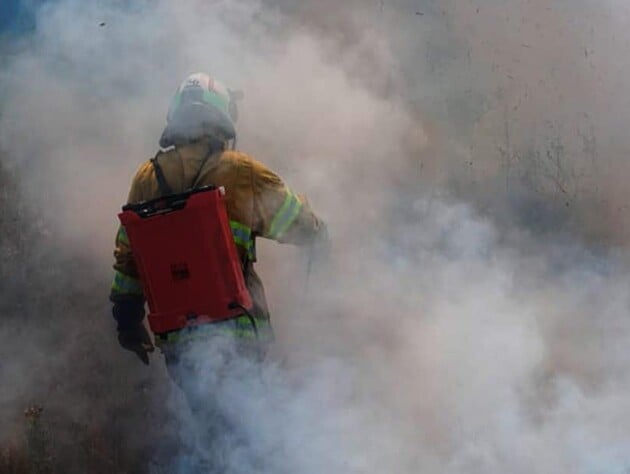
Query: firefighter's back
193	166
258	201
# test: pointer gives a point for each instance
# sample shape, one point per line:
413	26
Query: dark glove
137	340
319	249
132	335
322	245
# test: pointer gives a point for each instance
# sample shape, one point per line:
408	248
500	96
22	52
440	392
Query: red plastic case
186	259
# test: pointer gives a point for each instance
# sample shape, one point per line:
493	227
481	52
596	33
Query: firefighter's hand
136	339
321	248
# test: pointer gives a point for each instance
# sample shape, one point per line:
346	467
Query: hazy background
469	158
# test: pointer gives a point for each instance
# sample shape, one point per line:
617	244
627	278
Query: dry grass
14	460
35	452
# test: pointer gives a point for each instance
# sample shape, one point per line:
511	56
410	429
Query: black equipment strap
195	181
165	188
213	148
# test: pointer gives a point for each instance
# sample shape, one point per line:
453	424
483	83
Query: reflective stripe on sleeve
243	238
126	285
122	236
287	214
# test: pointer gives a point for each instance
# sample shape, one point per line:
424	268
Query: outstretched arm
281	214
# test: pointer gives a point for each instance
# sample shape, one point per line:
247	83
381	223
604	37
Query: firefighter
195	151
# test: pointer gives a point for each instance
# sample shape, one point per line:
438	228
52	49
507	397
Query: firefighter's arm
126	291
283	215
126	284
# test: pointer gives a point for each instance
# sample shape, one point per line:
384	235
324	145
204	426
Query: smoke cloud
469	161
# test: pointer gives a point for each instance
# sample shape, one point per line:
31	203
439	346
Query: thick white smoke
440	337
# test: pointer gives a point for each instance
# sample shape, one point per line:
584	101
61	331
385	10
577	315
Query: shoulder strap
195	181
165	188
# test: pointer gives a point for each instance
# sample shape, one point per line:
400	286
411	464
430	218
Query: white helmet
202	106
